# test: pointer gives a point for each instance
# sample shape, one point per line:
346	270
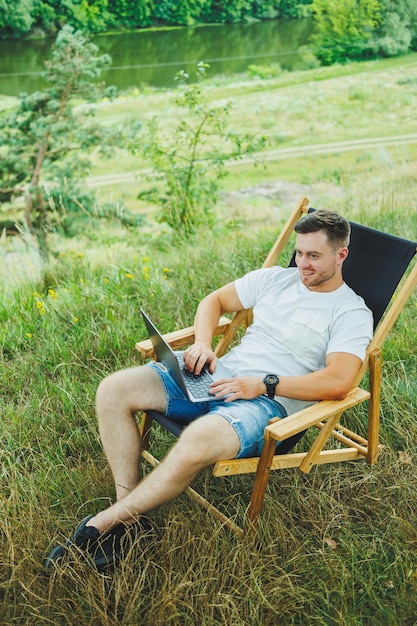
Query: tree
89	15
45	137
191	158
398	31
16	16
232	11
131	13
344	28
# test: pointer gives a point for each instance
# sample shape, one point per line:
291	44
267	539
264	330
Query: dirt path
274	155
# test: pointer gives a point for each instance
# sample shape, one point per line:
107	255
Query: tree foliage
131	13
46	136
398	30
16	16
357	29
191	159
344	28
19	17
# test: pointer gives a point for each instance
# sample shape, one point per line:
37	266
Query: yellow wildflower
129	275
40	306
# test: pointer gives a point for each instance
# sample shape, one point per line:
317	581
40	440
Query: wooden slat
318	444
239	319
347	434
355	441
282	429
283	461
145	428
178	338
260	483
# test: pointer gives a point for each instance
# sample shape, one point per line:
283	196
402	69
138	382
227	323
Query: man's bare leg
119	396
203	442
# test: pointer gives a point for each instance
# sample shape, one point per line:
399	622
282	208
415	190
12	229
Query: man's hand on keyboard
239	388
197	355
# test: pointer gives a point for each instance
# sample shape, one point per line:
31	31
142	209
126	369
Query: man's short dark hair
336	227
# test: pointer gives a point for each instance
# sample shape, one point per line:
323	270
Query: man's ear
343	253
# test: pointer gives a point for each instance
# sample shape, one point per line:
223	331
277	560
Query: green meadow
336	547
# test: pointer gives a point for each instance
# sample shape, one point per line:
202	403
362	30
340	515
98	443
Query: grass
335	547
297	109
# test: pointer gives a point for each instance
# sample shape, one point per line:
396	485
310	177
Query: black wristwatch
270	382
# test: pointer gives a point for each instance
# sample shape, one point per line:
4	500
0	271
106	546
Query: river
153	57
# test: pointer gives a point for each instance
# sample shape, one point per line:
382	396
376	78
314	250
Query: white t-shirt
294	328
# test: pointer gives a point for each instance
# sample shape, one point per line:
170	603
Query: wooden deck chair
374	268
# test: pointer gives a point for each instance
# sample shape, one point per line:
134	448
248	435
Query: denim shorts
248	417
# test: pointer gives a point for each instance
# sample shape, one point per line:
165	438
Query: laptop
194	386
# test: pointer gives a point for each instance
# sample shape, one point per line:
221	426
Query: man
307	342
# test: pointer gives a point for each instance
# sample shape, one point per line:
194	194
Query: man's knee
209	439
136	388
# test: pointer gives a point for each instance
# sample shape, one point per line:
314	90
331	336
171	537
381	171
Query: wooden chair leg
261	482
145	431
374	407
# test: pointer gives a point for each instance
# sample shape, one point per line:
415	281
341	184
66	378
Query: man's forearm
310	387
330	383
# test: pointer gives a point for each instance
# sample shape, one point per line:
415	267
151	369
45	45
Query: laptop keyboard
198	384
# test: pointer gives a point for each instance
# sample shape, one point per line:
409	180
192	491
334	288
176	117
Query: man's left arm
329	383
333	382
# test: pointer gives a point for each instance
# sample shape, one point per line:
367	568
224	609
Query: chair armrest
178	339
281	429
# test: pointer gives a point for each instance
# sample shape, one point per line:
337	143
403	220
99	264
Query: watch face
270	379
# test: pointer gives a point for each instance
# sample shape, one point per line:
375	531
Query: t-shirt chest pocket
308	335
